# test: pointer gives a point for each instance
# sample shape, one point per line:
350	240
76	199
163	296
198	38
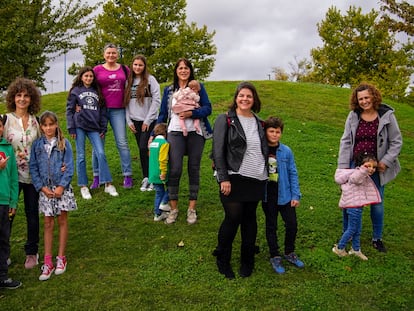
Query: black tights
243	214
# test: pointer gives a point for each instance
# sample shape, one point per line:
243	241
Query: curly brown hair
20	85
375	93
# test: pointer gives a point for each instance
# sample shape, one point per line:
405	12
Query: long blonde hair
59	134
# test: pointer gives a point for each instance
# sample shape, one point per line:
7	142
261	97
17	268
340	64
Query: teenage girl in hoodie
86	117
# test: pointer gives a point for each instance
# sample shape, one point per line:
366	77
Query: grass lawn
120	259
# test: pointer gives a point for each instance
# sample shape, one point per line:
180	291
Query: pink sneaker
31	261
95	183
46	272
60	265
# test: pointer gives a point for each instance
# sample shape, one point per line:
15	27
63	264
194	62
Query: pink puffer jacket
357	187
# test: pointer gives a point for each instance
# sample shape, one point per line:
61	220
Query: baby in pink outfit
186	99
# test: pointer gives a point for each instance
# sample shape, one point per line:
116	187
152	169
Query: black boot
247	262
223	262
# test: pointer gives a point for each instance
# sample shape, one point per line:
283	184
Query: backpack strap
125	71
3	118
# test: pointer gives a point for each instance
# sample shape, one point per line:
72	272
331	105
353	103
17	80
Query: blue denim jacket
47	171
288	183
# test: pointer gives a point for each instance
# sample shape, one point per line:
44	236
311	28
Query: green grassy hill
119	259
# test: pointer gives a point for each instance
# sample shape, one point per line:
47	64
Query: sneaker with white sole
165	207
31	261
144	184
172	217
46	272
358	254
111	190
339	252
191	216
161	216
61	264
10	284
150	187
85	193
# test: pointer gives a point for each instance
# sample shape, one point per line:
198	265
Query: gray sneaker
172	217
161	216
191	216
10	284
144	184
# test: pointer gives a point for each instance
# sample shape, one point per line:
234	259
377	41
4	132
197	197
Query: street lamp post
51	83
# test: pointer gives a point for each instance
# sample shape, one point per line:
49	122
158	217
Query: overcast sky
251	37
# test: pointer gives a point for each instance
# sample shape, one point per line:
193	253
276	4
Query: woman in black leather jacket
239	152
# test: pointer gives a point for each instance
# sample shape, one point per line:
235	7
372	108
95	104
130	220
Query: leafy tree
156	29
280	74
403	13
35	32
359	47
300	70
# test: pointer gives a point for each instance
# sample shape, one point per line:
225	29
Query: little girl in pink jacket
358	190
186	99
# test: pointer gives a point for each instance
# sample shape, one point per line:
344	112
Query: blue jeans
98	148
117	120
353	230
161	196
377	210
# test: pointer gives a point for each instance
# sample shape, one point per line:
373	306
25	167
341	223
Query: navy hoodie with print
91	117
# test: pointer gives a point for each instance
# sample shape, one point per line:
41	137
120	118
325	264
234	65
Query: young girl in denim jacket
51	167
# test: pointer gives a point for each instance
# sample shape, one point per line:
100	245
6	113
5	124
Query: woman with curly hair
21	129
371	127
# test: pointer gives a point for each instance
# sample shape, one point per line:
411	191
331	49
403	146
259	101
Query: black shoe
379	246
226	270
10	284
223	266
245	270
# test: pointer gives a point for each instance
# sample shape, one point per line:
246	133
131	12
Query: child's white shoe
111	190
358	254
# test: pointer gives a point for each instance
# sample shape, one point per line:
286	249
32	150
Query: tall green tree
359	47
35	32
401	18
156	29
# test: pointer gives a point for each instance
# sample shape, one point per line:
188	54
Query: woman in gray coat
371	127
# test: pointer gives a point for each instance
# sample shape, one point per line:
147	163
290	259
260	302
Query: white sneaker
150	187
191	216
160	217
358	254
111	190
172	217
339	252
144	184
85	193
165	207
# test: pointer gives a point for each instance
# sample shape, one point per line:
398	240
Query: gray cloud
251	37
